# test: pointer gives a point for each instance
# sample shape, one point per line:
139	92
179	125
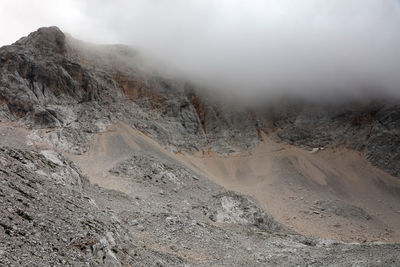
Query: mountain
106	161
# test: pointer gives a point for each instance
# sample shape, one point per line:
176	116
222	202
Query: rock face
36	77
372	128
49	218
65	92
51	80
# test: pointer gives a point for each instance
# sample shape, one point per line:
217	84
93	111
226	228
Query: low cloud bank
258	49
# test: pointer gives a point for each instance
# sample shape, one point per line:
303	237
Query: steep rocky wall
372	128
49	80
47	217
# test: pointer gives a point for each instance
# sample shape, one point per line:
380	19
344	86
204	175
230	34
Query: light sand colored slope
13	135
111	147
284	179
287	181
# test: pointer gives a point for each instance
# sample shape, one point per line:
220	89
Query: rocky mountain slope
142	196
52	80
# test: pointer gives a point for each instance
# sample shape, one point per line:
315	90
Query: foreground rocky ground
52	215
132	202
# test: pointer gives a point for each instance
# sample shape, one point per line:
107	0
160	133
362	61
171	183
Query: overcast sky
309	47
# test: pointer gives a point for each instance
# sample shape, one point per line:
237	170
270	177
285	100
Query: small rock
110	239
52	156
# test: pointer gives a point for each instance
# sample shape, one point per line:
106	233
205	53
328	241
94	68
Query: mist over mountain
199	133
106	161
253	50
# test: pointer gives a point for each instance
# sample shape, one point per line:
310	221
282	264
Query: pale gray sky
274	46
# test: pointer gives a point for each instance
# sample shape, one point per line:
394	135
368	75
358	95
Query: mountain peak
46	40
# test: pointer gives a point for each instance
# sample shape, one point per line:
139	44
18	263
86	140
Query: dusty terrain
333	194
103	164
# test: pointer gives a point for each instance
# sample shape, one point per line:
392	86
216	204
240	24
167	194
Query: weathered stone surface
68	92
372	128
47	217
45	80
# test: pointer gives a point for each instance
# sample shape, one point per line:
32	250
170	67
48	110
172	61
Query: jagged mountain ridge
46	70
67	97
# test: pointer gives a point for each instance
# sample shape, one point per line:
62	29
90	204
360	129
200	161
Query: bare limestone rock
66	92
